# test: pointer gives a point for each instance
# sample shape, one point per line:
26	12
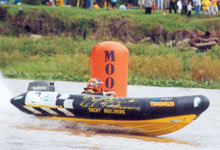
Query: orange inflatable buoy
109	63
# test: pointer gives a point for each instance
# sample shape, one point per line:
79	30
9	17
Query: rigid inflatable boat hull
154	127
151	116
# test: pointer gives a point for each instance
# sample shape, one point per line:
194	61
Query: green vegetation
66	37
65	58
32	2
170	22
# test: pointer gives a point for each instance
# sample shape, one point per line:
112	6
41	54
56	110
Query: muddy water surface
19	131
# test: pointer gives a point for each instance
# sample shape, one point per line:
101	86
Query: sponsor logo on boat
48	96
162	99
38	88
18	97
107	111
92	102
197	101
114	111
174	121
95	110
162	104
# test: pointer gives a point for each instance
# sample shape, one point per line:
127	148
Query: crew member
94	88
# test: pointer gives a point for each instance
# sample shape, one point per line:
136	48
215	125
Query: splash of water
6	108
8	113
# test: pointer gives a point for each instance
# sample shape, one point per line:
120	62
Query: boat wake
104	131
13	120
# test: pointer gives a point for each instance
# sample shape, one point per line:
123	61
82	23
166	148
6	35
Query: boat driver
94	88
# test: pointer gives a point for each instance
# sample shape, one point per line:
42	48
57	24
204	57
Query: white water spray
6	109
8	113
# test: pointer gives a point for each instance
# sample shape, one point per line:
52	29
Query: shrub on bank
54	67
8	59
205	69
168	67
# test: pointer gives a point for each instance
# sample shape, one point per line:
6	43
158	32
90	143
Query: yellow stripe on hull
152	127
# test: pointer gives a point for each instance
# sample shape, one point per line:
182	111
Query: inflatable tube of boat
104	107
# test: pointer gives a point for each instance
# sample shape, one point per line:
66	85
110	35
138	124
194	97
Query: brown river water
20	131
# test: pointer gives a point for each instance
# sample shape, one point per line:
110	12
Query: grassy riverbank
61	51
64	58
101	24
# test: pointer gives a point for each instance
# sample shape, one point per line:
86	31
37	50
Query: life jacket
94	84
91	92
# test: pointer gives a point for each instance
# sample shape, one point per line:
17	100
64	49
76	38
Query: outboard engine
41	86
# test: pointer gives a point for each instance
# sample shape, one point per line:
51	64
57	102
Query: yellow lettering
108	111
94	110
162	104
114	111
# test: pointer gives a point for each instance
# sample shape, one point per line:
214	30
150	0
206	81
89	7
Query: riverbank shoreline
50	44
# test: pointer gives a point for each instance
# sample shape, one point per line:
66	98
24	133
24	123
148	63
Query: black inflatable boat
151	116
